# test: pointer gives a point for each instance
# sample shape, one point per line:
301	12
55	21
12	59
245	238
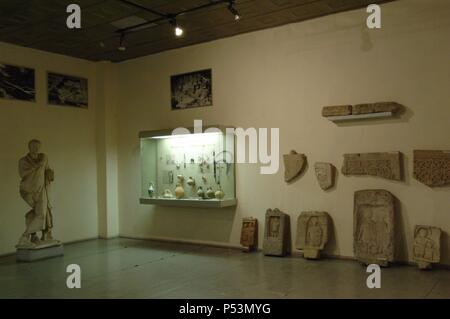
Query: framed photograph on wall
190	90
67	90
17	83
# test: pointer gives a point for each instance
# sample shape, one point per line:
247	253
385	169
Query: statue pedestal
43	251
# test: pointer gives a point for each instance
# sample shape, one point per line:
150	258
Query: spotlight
121	46
177	29
233	11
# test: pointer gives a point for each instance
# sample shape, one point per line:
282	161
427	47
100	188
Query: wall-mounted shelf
343	118
210	203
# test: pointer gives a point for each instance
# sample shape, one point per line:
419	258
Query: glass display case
189	169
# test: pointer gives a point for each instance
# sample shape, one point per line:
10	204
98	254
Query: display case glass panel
188	169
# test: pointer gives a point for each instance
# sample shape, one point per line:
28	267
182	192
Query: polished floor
125	268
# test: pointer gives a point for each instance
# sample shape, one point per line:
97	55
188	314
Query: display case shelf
193	169
343	118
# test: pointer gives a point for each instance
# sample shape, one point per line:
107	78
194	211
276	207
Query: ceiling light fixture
121	46
233	11
177	29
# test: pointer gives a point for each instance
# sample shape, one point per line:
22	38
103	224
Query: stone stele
276	233
373	227
294	165
249	233
376	108
432	167
325	173
312	233
426	246
337	110
385	165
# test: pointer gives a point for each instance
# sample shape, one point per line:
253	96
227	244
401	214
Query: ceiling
41	24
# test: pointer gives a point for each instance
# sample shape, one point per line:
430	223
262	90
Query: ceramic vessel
191	181
151	190
167	194
210	193
179	191
219	194
200	192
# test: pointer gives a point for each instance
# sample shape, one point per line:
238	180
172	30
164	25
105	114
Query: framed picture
190	90
66	90
17	83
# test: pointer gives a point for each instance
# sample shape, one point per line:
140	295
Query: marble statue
426	246
276	233
36	177
325	173
373	230
312	233
249	233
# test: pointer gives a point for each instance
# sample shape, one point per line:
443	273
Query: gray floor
125	268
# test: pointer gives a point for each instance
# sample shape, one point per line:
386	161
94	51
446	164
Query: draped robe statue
36	177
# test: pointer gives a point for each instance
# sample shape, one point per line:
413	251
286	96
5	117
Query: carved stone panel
432	167
325	173
276	233
427	246
385	165
312	233
249	233
373	227
337	110
294	165
376	108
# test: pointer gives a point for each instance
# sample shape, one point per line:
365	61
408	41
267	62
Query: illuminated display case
189	169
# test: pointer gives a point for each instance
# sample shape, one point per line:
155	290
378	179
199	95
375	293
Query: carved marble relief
373	227
426	246
249	233
385	165
276	233
432	167
325	173
337	110
294	164
312	233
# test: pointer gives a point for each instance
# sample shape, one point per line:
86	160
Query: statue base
40	251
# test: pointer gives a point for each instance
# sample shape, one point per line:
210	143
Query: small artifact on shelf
426	246
151	190
277	237
200	192
312	233
294	165
373	227
249	234
219	194
385	165
210	193
191	181
180	178
432	168
167	194
179	191
325	173
360	109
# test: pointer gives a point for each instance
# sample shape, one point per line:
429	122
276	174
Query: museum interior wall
282	78
70	139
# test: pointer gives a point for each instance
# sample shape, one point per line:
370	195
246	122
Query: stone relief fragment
249	233
373	227
325	173
376	108
385	165
294	164
432	168
276	233
426	246
337	110
312	233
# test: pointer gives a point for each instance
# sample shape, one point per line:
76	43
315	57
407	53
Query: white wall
282	78
69	139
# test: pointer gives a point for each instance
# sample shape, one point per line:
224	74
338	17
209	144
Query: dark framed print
17	83
190	90
67	90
